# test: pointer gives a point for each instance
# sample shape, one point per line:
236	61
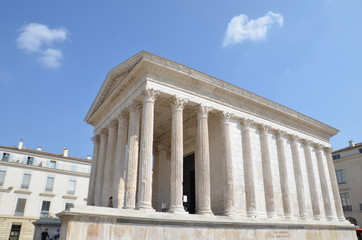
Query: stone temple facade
189	156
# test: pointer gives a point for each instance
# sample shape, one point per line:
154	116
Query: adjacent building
348	164
188	156
34	186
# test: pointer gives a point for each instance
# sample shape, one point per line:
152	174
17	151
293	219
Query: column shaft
311	180
109	164
324	183
229	189
132	161
336	195
267	171
298	177
93	173
120	160
176	204
283	173
146	157
100	168
203	204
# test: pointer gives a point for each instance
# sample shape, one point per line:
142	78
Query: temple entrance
189	183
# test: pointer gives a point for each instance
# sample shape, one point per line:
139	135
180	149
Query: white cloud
35	37
51	58
240	28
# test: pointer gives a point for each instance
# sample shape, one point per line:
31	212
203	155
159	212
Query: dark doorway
15	232
189	183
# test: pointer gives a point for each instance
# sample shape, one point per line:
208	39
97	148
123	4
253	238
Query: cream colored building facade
36	185
348	164
189	156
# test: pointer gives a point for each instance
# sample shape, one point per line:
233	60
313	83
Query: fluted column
132	161
100	168
324	182
267	171
298	176
145	168
176	204
336	195
229	184
109	164
311	180
283	173
203	198
120	160
93	173
248	168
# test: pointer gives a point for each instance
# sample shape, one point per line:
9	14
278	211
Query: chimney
89	157
351	143
40	149
65	152
21	144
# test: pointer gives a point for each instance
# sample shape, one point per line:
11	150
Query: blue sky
54	56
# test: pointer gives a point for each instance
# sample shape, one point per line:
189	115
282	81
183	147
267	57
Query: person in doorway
45	235
57	234
110	201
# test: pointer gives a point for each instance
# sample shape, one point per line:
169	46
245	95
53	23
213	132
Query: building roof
356	145
31	151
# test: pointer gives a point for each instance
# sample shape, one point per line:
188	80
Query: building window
337	156
2	177
49	184
360	206
68	206
346	202
30	161
20	207
26	180
52	164
74	167
340	177
15	232
6	157
360	150
71	186
45	206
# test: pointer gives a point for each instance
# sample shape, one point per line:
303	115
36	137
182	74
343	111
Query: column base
129	207
252	214
272	215
177	210
145	207
205	212
230	212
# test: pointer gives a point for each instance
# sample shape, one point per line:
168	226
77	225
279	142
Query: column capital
203	111
328	150
280	134
225	116
177	103
135	106
306	142
123	115
294	138
246	122
104	131
263	128
96	138
318	146
149	94
113	124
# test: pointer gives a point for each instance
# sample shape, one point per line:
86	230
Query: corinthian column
336	196
132	161
92	179
109	164
267	171
311	180
298	176
176	204
229	185
203	201
283	173
324	182
100	168
145	168
120	160
248	168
